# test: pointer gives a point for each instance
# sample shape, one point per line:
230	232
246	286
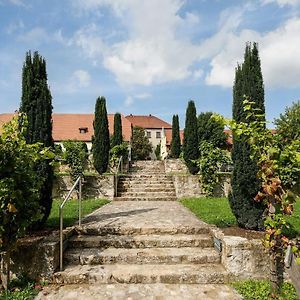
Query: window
83	129
148	134
158	134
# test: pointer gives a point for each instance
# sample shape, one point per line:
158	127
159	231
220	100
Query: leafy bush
157	152
76	155
116	152
19	183
210	162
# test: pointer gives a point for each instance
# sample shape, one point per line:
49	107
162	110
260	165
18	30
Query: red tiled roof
168	133
150	122
66	126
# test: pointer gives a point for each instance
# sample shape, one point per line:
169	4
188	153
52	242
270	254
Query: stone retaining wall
187	186
38	257
97	186
242	257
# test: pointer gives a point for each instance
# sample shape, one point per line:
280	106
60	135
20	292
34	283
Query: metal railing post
79	204
61	220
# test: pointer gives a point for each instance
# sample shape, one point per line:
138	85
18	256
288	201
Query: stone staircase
143	242
147	181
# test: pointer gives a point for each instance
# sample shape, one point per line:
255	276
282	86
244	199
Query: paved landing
145	217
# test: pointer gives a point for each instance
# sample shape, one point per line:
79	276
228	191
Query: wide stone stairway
142	249
147	181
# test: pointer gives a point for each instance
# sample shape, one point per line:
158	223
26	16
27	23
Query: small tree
211	160
117	138
19	184
157	152
76	157
175	143
141	147
36	102
288	123
190	140
101	137
210	130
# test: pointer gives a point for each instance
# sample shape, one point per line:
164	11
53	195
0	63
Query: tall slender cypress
101	137
117	137
175	143
36	102
245	184
190	140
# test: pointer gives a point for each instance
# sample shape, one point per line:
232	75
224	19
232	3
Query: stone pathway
142	249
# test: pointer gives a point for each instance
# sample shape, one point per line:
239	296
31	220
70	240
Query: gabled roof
66	126
148	122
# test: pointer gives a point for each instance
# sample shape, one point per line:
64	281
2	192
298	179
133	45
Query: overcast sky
150	56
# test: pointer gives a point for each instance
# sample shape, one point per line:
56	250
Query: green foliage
116	152
141	147
175	143
190	140
19	183
71	211
211	210
101	137
261	290
273	194
210	162
36	102
157	152
76	156
245	184
117	138
211	130
288	123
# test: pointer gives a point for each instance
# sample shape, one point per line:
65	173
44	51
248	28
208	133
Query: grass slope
71	211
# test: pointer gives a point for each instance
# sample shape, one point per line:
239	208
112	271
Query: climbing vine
279	166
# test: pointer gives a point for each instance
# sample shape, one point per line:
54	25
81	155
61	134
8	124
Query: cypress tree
101	136
175	143
36	102
245	184
190	140
117	137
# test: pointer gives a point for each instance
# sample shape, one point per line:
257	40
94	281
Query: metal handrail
119	168
61	220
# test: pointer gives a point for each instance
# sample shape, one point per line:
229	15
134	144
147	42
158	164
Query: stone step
98	256
146	182
155	194
142	241
146	198
178	273
138	189
145	230
142	184
146	175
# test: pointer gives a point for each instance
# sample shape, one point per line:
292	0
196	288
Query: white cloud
281	3
278	52
156	54
17	3
81	78
142	96
14	26
151	54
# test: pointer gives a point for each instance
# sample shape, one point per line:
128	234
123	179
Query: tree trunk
5	269
277	269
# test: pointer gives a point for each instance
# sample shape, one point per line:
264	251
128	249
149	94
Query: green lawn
71	211
217	211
